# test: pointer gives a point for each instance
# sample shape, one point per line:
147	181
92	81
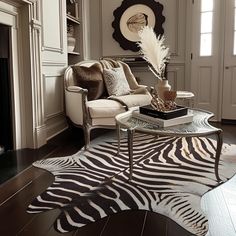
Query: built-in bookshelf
74	39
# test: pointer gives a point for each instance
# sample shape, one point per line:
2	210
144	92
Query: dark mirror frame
157	9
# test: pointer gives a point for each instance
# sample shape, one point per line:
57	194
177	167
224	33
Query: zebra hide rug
170	177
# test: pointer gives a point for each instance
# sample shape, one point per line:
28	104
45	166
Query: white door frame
223	103
229	75
205	71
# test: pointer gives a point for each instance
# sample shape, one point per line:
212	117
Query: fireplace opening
6	132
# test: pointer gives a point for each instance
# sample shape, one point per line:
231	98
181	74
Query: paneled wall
54	62
48	94
103	44
44	42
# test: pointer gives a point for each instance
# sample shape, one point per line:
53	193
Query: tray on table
165	115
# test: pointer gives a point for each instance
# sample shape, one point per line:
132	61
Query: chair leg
86	136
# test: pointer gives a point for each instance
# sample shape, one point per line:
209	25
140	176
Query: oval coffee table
199	127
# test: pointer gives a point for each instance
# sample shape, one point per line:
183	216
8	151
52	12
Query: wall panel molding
53	115
54	63
45	47
55	126
53	95
205	81
175	49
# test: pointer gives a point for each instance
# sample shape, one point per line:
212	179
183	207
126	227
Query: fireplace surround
6	141
27	105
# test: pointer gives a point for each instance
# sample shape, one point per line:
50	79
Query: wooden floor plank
43	225
213	204
15	208
126	223
229	193
40	224
9	188
53	232
95	229
173	229
155	224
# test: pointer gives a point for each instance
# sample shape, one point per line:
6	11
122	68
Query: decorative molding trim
52	75
145	68
16	3
61	109
40	135
174	78
51	49
56	128
37	82
56	114
173	63
29	1
55	134
12	12
176	52
36	24
30	130
54	63
61	49
100	28
84	6
15	13
61	22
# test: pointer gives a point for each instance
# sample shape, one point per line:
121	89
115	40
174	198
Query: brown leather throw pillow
90	78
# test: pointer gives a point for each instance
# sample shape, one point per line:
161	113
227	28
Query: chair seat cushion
104	121
135	100
104	108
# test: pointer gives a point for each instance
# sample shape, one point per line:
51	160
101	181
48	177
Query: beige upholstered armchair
88	102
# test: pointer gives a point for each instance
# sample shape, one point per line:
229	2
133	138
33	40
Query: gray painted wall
103	44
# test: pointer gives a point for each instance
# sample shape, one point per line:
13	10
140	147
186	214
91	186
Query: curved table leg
219	136
118	138
130	150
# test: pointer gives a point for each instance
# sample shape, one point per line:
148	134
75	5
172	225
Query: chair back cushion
115	81
89	75
90	78
110	63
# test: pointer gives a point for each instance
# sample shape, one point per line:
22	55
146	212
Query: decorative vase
161	86
71	43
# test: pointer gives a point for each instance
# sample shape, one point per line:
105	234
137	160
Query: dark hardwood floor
21	183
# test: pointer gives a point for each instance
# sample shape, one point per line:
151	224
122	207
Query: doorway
229	79
213	62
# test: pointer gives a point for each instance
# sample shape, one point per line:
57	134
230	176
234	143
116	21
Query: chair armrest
141	89
76	89
143	86
75	103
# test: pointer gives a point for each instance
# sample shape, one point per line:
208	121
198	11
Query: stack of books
181	115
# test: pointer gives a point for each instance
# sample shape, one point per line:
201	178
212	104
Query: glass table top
198	126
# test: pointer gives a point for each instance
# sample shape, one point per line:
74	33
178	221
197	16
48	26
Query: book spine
150	119
164	123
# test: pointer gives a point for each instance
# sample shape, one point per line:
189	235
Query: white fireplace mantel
23	17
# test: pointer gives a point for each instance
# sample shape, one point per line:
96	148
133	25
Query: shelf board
74	53
73	19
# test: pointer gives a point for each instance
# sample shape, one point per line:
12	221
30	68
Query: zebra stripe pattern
170	175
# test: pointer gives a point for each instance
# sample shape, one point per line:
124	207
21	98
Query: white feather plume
154	51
